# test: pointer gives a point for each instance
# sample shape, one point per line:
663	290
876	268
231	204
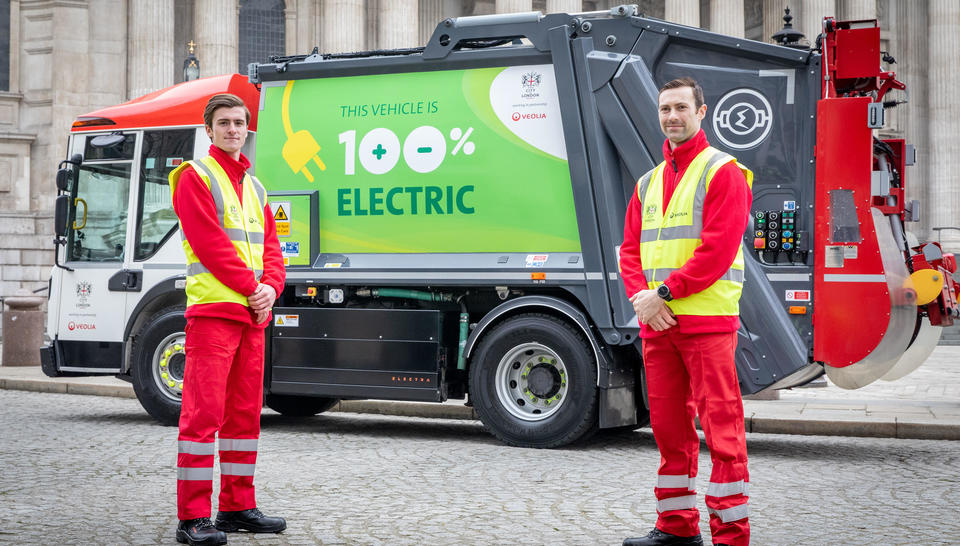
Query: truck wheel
533	382
159	360
299	406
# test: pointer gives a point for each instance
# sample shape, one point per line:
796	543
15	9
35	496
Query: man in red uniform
682	266
234	273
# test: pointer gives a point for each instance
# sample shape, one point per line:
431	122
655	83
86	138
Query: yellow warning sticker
290	321
282	216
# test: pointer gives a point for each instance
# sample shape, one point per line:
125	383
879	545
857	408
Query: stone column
911	68
513	6
216	22
563	6
726	17
398	24
150	45
857	10
432	12
343	26
299	27
685	12
944	50
13	77
773	17
809	20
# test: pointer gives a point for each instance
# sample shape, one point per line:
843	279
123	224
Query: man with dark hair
682	265
234	273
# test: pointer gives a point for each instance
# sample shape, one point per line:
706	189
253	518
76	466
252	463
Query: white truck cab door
88	314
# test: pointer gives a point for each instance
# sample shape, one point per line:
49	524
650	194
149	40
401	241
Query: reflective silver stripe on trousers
194	473
237	469
733	513
728	489
237	235
661	273
677	503
230	444
676	481
195	448
214	188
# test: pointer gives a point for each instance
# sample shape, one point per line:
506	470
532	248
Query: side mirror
61	213
65	178
67	175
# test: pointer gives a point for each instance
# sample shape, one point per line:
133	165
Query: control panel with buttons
776	231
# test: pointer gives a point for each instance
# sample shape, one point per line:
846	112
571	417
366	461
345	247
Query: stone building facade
62	58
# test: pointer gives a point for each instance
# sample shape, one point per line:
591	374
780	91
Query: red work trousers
690	375
222	393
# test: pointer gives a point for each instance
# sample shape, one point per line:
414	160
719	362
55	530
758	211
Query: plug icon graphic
300	147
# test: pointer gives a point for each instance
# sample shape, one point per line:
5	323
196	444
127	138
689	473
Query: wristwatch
664	292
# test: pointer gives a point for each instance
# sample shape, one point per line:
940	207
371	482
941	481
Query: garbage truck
450	218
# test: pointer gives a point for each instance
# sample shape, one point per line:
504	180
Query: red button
759	242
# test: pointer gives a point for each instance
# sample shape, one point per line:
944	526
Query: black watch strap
664	292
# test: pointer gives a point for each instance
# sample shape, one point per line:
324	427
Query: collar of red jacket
234	169
686	152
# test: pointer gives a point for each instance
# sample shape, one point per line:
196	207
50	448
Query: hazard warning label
290	321
282	217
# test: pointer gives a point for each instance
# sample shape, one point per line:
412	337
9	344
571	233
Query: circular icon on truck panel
742	119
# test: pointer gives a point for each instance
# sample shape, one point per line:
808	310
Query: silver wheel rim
532	382
168	364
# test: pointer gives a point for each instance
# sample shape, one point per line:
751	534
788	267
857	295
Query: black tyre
533	382
159	360
299	406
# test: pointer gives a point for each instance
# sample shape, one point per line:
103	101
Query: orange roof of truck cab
179	105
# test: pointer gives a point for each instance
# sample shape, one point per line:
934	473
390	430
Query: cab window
163	151
98	217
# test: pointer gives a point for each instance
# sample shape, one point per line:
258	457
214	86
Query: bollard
22	329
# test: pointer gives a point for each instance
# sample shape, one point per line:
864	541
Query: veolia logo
517	116
81	326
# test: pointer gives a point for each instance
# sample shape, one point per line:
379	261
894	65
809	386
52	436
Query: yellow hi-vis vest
669	237
243	223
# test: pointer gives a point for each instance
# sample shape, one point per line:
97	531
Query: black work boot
659	538
251	520
199	531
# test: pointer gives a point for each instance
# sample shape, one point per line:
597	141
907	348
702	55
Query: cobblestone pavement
83	469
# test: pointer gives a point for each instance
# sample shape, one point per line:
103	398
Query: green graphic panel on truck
448	161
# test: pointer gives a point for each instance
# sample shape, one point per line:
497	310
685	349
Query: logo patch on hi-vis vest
234	213
678	214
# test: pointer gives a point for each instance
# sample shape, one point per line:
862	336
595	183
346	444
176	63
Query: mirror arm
57	241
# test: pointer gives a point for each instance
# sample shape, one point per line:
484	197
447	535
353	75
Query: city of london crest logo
530	85
531	80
